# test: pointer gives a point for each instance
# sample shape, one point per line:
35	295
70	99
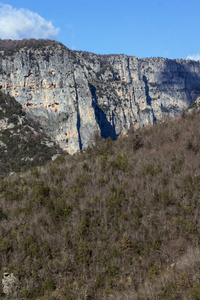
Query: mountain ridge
73	94
120	219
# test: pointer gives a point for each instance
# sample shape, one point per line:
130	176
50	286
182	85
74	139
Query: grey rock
195	105
9	282
74	94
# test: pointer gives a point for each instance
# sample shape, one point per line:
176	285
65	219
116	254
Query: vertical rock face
73	94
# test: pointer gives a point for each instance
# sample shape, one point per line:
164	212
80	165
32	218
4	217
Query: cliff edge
73	94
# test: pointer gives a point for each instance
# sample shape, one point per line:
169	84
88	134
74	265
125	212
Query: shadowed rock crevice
51	81
148	98
78	124
107	129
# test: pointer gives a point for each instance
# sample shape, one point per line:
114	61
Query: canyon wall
73	94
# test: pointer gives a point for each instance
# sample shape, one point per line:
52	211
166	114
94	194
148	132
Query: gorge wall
73	94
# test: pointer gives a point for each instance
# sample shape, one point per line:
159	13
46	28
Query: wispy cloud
23	23
193	57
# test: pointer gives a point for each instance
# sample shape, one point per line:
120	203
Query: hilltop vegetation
119	221
9	47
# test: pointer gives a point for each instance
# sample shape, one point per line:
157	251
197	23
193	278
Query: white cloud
193	57
22	23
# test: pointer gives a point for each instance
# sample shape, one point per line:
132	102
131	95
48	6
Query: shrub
153	271
2	214
83	253
169	291
193	293
49	285
120	163
5	246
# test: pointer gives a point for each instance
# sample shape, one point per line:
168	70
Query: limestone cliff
73	94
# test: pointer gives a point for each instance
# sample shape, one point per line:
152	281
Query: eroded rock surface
8	283
73	94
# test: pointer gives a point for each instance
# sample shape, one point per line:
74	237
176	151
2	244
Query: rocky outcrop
9	282
74	94
195	105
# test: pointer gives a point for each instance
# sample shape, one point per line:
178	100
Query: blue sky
144	28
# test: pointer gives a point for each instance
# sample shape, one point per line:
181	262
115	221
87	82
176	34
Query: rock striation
73	94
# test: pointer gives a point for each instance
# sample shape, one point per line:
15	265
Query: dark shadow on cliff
182	73
147	90
107	129
148	98
78	124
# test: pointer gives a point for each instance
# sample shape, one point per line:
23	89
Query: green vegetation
118	221
22	144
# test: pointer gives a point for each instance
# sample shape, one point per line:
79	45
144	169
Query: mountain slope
73	94
119	221
22	144
195	104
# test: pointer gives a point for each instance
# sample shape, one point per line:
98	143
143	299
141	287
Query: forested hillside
118	221
22	143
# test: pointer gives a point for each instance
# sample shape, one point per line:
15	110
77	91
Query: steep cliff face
73	94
